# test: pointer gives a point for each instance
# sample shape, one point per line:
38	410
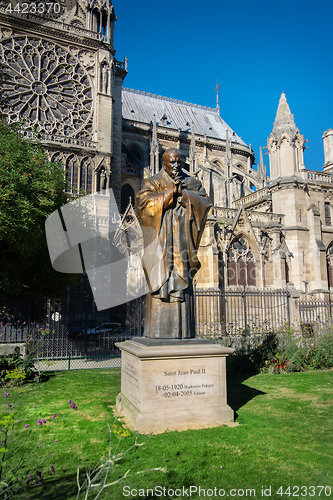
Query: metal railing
64	334
313	312
227	312
59	336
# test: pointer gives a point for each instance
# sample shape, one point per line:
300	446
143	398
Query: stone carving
104	78
173	208
4	32
88	60
240	251
49	88
102	179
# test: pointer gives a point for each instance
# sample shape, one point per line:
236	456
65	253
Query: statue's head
172	161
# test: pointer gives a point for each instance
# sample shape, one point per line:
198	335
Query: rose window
48	88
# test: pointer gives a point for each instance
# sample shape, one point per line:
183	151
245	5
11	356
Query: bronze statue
173	207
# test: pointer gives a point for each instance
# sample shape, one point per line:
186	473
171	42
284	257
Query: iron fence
229	312
317	312
71	333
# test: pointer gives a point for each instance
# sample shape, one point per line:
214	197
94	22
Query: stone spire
217	98
205	152
193	152
154	149
284	120
285	145
228	171
262	174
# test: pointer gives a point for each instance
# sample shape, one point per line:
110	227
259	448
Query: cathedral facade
67	86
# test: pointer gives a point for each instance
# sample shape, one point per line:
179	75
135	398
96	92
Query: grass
284	438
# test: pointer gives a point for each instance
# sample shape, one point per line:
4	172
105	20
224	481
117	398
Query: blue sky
255	49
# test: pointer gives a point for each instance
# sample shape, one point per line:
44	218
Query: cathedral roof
177	115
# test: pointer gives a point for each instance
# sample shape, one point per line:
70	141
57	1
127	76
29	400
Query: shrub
291	349
320	354
250	358
16	368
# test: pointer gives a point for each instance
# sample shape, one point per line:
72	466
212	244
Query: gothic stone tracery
49	87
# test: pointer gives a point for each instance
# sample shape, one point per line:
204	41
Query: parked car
79	328
108	342
104	330
134	331
126	334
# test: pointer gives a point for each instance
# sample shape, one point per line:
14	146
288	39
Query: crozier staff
173	207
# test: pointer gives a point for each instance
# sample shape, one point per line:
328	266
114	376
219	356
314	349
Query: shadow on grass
63	488
239	394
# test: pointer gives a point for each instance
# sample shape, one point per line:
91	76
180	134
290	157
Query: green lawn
284	438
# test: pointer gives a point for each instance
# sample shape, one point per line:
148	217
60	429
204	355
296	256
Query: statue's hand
178	187
182	200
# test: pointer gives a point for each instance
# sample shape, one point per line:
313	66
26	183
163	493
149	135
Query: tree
31	188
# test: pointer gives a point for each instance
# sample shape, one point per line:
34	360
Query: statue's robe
172	228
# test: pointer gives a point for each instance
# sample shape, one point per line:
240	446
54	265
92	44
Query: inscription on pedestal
182	383
173	387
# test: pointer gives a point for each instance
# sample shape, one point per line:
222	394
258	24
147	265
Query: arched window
241	269
104	23
96	21
127	193
240	179
57	158
218	164
86	176
329	260
72	172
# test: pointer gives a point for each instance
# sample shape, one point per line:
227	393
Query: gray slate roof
141	106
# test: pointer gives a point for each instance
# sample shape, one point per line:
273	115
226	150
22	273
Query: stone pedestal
173	385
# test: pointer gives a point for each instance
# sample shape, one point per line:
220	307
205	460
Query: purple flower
54	416
27	426
56	440
39	422
27	481
10	405
73	405
6	394
0	443
52	469
44	421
